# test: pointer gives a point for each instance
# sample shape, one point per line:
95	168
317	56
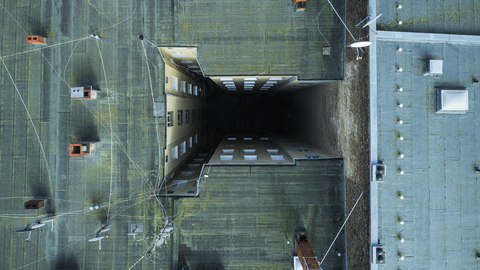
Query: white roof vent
452	101
433	68
436	66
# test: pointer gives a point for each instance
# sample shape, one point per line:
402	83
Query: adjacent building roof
448	17
427	202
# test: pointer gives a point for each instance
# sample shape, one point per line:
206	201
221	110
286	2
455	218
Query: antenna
339	231
29	230
51	219
363	25
160	242
97	238
38	225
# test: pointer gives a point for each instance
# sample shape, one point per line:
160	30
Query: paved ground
341	125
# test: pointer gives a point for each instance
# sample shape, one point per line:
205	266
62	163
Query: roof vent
379	171
378	255
433	67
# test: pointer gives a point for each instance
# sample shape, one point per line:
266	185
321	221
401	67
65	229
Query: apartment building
185	123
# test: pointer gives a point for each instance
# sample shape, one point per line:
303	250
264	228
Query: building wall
249	83
268	150
184	115
186	179
300	149
281	83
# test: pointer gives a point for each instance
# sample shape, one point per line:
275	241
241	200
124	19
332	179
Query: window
277	157
198	159
229	145
180	117
247	138
190	142
166	158
186	174
178	54
272	151
250	157
196	138
170	119
190	88
232	138
183	86
193	166
247	146
199	115
174	83
304	149
312	156
166	79
183	147
249	151
227	151
264	138
178	183
174	153
193	115
195	90
200	91
226	157
187	116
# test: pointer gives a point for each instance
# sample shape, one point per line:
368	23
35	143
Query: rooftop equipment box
34	204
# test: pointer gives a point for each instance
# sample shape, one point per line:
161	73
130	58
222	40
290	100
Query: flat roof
448	16
440	188
262	37
117	172
245	214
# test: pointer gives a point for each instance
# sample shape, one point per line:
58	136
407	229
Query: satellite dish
360	44
132	233
98	238
105	229
160	242
164	235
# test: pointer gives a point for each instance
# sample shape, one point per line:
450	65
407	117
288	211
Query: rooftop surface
35	137
263	37
440	188
244	223
448	16
38	119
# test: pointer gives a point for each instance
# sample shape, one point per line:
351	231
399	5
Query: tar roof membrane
440	188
